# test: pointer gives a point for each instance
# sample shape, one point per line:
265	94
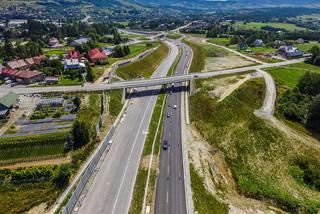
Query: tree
309	84
80	133
61	175
76	102
90	75
313	121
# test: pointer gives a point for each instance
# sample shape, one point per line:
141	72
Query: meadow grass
258	155
144	67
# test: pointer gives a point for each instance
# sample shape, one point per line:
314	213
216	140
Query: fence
87	173
92	165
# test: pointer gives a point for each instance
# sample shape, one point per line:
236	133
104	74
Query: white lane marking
167	200
134	143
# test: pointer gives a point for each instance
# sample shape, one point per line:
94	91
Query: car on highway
175	106
165	145
195	76
168	114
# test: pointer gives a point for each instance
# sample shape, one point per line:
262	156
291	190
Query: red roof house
30	61
97	56
9	72
39	59
73	55
28	77
17	64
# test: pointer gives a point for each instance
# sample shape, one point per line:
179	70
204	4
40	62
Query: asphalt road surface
112	188
170	190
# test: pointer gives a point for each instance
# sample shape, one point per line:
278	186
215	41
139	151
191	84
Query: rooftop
8	100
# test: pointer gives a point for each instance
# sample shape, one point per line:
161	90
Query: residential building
97	56
73	55
290	51
108	50
6	103
18	64
300	41
80	41
29	77
73	64
54	42
258	43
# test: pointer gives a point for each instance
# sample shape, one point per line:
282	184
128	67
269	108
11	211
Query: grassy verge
139	188
19	198
63	81
199	57
115	104
258	155
144	67
174	36
219	41
204	202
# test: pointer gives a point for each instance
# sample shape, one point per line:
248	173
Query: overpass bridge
143	82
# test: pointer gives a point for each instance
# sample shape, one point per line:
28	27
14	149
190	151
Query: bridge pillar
189	86
124	95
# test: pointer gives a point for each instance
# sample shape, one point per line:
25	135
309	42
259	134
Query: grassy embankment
259	156
174	36
144	67
198	54
135	49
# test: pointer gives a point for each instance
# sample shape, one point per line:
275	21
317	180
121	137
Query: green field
63	81
174	36
115	105
144	67
199	57
219	41
258	155
307	46
19	198
289	75
57	51
258	25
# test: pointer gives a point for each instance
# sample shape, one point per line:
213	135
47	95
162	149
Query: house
80	41
51	80
54	42
39	59
258	43
290	51
73	64
30	61
97	56
73	55
29	77
18	64
108	50
6	103
300	41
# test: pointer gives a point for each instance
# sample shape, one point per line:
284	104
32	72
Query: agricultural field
144	67
288	76
258	25
240	147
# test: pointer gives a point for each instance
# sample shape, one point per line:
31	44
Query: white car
174	106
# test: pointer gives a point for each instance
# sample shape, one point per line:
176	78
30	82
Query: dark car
165	145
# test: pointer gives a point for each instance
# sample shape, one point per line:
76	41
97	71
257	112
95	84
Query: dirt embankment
218	180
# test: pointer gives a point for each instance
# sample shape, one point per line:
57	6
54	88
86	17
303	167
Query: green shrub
62	175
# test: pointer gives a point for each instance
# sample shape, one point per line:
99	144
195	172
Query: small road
267	108
170	186
112	187
235	52
145	82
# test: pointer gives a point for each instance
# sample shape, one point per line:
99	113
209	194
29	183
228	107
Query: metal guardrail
87	173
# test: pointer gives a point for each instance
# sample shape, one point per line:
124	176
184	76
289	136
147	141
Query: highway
170	189
112	188
155	80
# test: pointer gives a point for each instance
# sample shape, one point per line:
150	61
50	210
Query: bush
61	175
57	114
80	132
